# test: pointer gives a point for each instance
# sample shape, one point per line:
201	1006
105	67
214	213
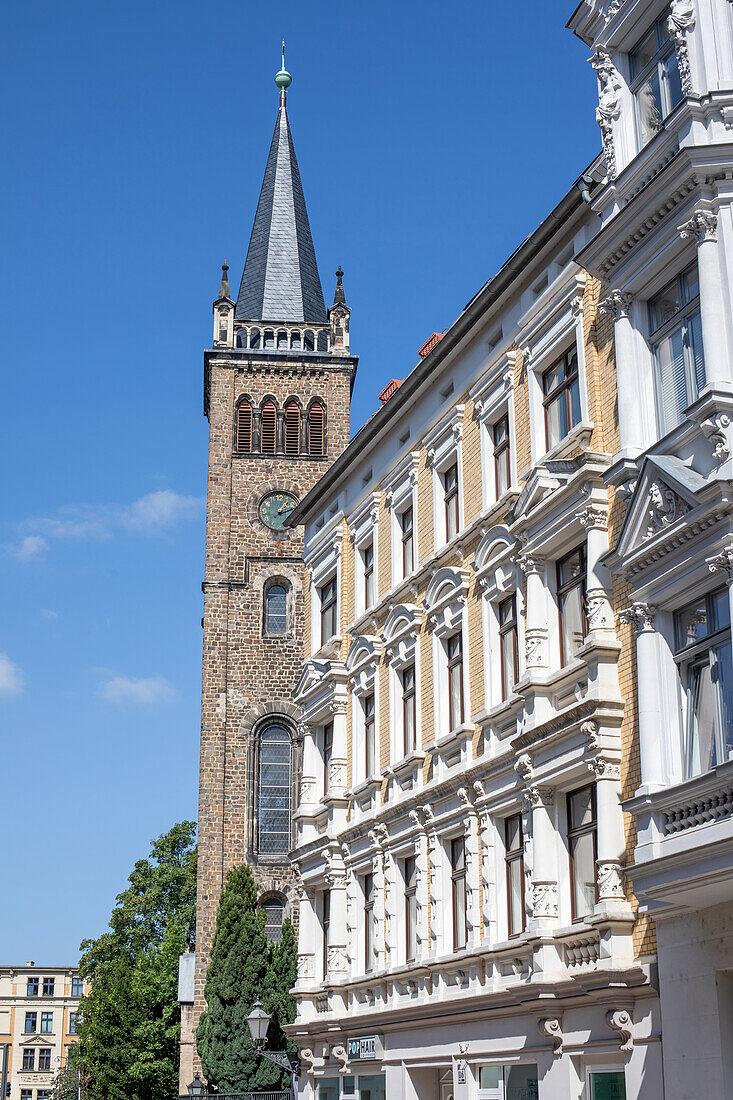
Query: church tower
277	385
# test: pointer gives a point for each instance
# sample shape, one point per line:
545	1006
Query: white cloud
11	677
48	613
145	690
152	514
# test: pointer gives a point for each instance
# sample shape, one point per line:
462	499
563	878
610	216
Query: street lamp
259	1021
197	1088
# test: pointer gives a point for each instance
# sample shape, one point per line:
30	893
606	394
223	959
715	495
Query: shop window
582	844
703	656
561	397
655	80
508	1082
607	1084
571	579
274	791
514	855
676	337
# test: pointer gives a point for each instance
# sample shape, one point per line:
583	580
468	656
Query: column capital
535	797
593	516
702	226
722	562
640	616
617	303
527	562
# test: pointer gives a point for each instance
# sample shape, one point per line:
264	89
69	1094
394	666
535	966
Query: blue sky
432	138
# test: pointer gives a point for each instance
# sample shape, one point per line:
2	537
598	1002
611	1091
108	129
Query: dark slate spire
339	298
280	280
224	287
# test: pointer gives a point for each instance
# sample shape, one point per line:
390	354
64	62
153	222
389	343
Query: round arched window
276	609
274	912
274	791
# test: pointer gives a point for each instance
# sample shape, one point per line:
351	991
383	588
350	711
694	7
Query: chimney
30	963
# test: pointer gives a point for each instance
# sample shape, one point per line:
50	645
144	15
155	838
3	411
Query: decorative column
651	733
472	856
434	891
307	938
609	835
544	903
378	835
337	766
594	518
680	23
617	304
336	950
723	563
422	896
703	227
609	105
308	782
535	629
486	850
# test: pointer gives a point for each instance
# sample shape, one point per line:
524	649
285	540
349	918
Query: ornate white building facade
516	798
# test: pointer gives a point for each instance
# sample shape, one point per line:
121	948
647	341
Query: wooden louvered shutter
268	428
315	430
244	427
292	429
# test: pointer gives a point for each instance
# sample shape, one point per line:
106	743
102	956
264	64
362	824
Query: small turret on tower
338	316
224	312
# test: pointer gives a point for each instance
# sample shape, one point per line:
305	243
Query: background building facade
38	1007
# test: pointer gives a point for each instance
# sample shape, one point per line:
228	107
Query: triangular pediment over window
540	482
36	1039
667	490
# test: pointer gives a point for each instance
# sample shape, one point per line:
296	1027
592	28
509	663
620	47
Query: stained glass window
274	791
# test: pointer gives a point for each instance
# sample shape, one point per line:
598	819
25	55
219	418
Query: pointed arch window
274	791
292	428
268	428
316	438
244	427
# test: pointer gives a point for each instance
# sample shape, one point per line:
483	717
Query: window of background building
502	456
514	854
327	754
508	646
408	547
409	717
367	555
703	655
48	987
72	1023
450	497
655	80
77	987
454	650
571	578
328	601
44	1059
32	987
370	955
581	807
31	1020
325	925
46	1023
410	876
26	1094
561	390
29	1058
43	1094
274	790
276	609
370	738
458	892
274	911
676	336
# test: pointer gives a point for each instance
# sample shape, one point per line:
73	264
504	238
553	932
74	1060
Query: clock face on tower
275	508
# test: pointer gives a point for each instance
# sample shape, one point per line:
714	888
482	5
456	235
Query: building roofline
490	292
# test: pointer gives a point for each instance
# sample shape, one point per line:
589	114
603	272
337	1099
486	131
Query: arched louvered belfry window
268	428
274	781
316	439
292	428
244	427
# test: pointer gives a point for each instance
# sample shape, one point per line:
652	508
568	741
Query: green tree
243	969
128	1023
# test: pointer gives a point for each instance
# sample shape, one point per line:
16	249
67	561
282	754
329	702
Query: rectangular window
450	494
370	959
26	1094
458	891
608	1084
327	597
31	1022
327	754
409	717
514	849
32	987
77	987
655	80
571	577
29	1058
44	1058
703	655
454	650
325	925
72	1023
370	737
561	390
48	987
508	645
46	1023
502	456
408	551
368	561
43	1094
676	337
410	873
581	806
